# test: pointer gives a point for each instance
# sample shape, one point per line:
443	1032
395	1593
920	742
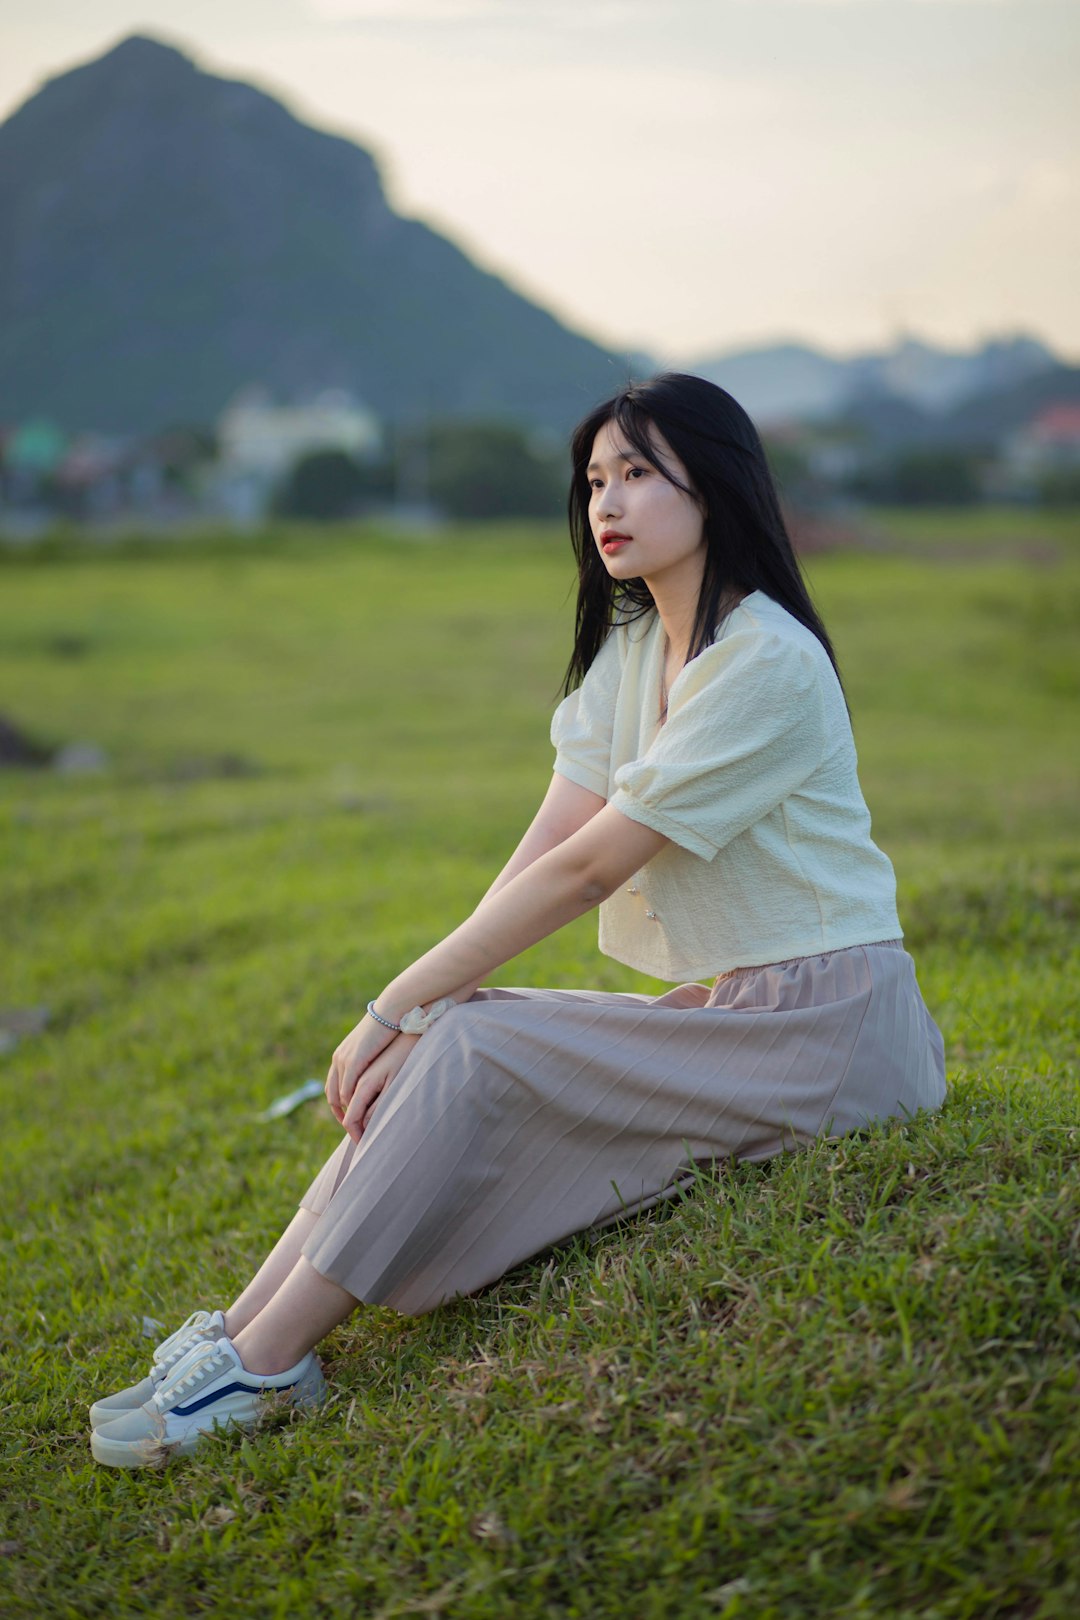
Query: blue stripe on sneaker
230	1389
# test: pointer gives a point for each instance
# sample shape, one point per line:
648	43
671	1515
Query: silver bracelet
379	1019
416	1021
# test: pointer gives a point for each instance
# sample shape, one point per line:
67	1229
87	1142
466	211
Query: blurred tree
493	470
1060	487
919	477
182	450
327	484
791	469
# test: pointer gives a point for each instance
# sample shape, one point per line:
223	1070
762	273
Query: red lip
612	534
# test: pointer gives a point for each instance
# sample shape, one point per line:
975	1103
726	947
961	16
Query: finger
362	1098
347	1080
353	1117
332	1094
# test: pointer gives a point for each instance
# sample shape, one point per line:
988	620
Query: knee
459	1030
456	1059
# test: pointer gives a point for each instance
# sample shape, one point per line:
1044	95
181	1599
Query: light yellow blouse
753	779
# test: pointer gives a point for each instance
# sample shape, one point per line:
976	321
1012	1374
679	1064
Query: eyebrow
623	455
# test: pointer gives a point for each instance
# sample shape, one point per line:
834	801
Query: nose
607	501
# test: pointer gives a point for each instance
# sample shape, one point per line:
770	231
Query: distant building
32	452
260	442
831	452
257	436
1049	443
89	481
1051	439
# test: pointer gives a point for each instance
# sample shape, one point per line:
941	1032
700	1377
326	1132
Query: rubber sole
149	1452
140	1453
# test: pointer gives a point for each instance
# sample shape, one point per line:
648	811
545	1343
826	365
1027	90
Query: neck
676	603
677	614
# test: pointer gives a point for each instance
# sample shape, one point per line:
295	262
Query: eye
632	471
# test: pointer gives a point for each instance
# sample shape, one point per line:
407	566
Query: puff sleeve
745	728
582	725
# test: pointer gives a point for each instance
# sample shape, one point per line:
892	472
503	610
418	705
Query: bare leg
301	1312
271	1274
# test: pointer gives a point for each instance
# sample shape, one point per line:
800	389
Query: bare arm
565	809
535	895
567	881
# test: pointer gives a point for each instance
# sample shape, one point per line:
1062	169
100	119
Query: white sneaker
208	1389
201	1327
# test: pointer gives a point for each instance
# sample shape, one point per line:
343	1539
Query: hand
360	1047
371	1085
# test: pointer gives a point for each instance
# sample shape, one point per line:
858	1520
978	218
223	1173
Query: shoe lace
200	1359
183	1347
178	1343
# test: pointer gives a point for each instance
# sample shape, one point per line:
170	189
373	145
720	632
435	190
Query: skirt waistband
816	956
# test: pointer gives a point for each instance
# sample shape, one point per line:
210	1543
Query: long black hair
747	544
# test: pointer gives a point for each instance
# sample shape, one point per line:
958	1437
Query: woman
705	796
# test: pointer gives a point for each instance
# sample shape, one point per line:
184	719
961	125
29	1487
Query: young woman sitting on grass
705	797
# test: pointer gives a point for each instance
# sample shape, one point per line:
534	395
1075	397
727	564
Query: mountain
778	382
170	237
886	422
789	380
987	417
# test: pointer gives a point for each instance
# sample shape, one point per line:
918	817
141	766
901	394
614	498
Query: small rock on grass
17	1022
80	759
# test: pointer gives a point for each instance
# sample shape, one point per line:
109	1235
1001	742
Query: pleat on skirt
524	1116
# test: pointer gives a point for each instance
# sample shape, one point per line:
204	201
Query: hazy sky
684	175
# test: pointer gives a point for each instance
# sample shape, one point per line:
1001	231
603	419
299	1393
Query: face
644	527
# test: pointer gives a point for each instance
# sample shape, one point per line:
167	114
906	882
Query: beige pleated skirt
524	1116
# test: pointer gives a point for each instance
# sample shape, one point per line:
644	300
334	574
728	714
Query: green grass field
840	1384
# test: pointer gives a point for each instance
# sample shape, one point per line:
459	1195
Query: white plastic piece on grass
292	1100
